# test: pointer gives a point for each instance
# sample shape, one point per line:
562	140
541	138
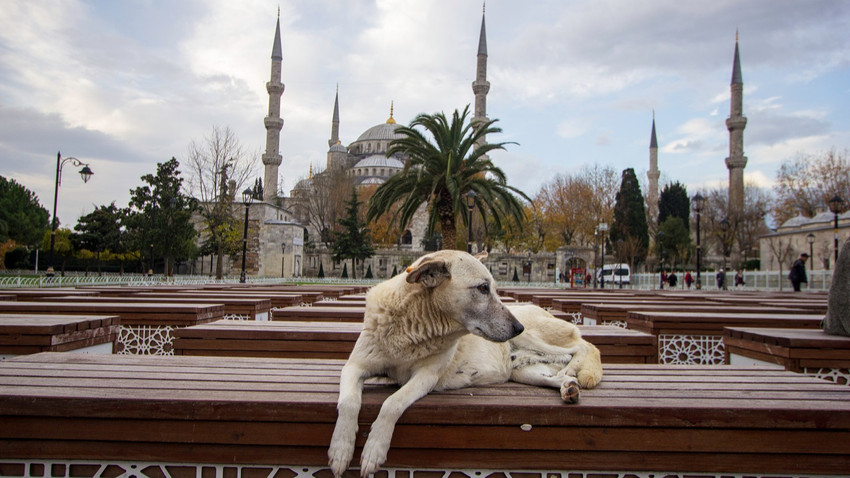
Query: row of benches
271	414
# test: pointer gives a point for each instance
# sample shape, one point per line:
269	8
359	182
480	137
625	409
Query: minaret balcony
736	123
736	163
480	87
275	88
273	123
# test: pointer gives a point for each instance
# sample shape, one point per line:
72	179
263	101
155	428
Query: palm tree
439	173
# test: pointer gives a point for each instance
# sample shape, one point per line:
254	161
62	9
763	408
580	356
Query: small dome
796	221
303	184
338	148
825	216
381	132
379	161
372	181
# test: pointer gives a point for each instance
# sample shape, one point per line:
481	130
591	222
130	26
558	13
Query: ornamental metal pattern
691	349
127	469
616	323
841	376
145	340
236	317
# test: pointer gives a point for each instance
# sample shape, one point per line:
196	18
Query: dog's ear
481	256
429	272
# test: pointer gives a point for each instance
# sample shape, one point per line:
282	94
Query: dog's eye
484	288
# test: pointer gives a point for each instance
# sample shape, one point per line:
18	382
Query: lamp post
699	203
85	173
470	203
528	263
811	240
603	228
835	206
247	198
724	230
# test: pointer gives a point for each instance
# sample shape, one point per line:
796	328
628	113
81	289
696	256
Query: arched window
407	238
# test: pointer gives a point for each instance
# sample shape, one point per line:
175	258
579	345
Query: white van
615	274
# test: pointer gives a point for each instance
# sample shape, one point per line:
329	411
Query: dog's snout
518	328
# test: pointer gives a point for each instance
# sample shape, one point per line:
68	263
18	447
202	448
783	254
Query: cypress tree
674	201
629	229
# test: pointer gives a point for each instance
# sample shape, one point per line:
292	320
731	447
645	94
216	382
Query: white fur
440	326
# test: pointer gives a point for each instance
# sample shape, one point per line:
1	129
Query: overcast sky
124	85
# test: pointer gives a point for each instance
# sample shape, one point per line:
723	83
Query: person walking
672	279
798	272
720	277
739	278
689	279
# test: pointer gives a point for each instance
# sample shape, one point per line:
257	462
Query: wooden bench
322	314
615	313
336	340
22	334
144	328
239	308
809	351
697	337
202	416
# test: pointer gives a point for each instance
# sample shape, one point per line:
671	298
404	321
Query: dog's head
464	289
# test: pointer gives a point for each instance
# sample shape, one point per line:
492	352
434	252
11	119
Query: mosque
279	243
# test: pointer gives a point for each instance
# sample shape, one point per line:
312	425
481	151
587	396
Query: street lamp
528	263
811	240
699	203
85	173
603	228
724	230
835	206
470	203
247	198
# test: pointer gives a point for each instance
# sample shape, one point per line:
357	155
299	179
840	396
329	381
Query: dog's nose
518	328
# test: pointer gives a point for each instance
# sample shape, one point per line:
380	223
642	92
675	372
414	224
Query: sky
124	85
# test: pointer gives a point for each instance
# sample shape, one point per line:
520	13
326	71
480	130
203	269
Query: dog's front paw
570	390
374	454
339	456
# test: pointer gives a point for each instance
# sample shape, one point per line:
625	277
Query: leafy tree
159	216
344	271
352	242
673	240
674	202
62	245
17	258
218	167
99	232
257	190
444	163
630	217
807	183
22	218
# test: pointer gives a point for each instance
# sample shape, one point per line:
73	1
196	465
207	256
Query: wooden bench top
160	313
343	314
232	305
574	304
717	419
795	349
618	311
336	340
712	323
32	333
33	294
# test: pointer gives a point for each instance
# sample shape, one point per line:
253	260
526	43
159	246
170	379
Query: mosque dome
796	221
304	184
373	181
338	148
824	216
379	161
381	132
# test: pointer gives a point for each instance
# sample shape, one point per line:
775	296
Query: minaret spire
480	87
653	174
736	162
273	122
335	122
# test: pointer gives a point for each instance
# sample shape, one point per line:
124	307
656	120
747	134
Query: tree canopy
22	218
352	242
674	202
629	228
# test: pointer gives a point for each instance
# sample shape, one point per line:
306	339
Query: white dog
441	326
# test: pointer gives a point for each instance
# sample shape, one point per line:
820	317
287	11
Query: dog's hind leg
546	375
345	432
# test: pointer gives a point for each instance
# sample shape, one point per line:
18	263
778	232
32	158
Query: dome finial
310	174
390	120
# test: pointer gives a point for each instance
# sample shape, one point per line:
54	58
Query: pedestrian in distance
689	279
672	279
720	277
798	272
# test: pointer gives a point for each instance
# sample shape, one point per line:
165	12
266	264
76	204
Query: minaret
653	174
335	122
274	123
736	162
481	86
